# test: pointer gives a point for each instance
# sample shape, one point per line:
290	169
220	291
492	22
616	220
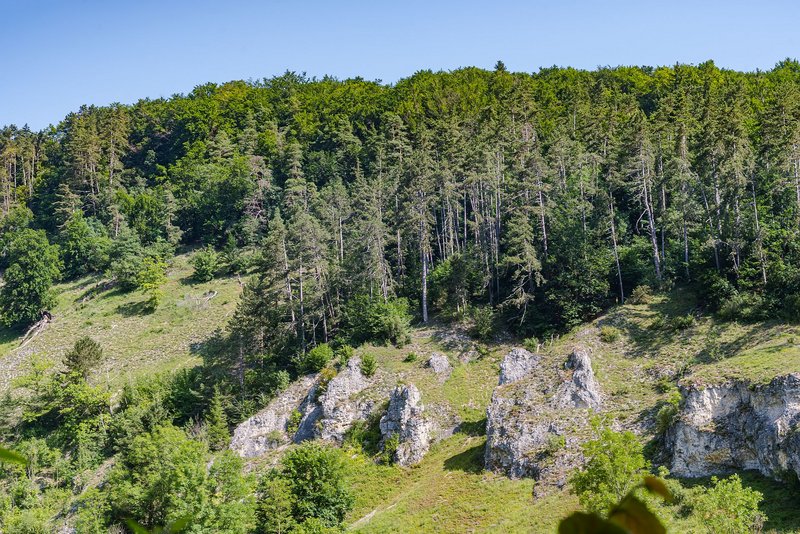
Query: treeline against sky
543	198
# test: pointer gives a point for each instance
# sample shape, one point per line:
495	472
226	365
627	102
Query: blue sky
57	55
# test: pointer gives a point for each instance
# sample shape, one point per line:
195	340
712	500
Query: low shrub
641	295
368	365
609	334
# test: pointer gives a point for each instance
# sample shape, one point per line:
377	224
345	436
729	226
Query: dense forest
524	202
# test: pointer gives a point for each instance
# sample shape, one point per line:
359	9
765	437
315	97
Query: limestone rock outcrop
517	363
582	390
268	428
735	425
404	418
538	416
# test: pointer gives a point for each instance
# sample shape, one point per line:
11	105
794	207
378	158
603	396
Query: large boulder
517	364
268	428
404	418
736	425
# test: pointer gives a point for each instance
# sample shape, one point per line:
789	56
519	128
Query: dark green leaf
634	516
583	523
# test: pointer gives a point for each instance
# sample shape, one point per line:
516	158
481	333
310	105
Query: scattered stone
440	365
404	418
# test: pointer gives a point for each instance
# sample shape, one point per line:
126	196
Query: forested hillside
520	205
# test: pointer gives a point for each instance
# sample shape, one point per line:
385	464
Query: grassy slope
448	491
135	342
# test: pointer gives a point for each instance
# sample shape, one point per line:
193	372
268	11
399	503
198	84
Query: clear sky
57	55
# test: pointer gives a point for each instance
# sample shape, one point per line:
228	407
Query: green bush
368	365
668	412
390	446
33	266
293	425
316	479
615	464
325	376
316	359
747	307
531	344
483	322
729	507
84	356
206	264
151	277
609	334
373	320
641	295
682	322
344	353
411	357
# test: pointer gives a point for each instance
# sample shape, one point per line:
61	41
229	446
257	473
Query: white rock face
267	429
537	416
337	408
440	365
404	418
582	391
736	426
517	363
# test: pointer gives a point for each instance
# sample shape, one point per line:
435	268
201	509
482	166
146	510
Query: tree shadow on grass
134	309
473	428
469	461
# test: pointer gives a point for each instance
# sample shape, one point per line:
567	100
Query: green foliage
682	322
33	266
233	259
483	322
316	479
325	376
84	245
747	307
92	512
293	425
389	450
216	424
276	504
629	516
614	465
316	359
372	319
668	412
206	264
531	344
150	279
368	365
411	357
641	295
344	353
729	507
609	334
164	476
84	356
